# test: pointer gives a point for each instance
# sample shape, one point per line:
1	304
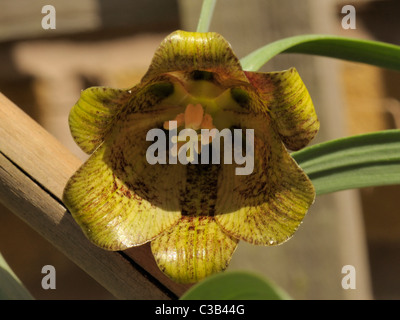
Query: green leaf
11	287
206	14
355	162
371	52
235	285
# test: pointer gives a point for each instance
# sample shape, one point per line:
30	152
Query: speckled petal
190	51
117	197
116	214
267	206
193	249
91	117
289	105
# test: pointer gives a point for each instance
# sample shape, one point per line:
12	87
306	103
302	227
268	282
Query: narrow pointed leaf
366	51
355	162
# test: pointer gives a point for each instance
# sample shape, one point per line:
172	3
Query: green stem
206	13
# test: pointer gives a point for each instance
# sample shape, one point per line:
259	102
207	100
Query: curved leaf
355	162
366	51
235	285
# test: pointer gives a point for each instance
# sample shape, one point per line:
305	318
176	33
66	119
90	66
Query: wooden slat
35	169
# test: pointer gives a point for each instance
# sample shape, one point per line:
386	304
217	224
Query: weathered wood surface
34	168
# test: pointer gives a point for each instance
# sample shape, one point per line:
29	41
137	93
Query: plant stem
206	13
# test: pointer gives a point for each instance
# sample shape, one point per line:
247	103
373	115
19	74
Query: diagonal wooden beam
34	168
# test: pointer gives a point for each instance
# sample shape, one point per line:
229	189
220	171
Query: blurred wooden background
100	42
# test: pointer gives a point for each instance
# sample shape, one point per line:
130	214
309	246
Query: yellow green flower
193	214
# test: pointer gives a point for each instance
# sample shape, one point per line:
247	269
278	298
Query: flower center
193	118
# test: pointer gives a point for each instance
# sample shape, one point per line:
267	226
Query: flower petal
91	117
196	247
289	105
117	197
193	249
267	206
192	51
117	211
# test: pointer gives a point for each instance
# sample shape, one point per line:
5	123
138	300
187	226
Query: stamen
207	122
194	118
